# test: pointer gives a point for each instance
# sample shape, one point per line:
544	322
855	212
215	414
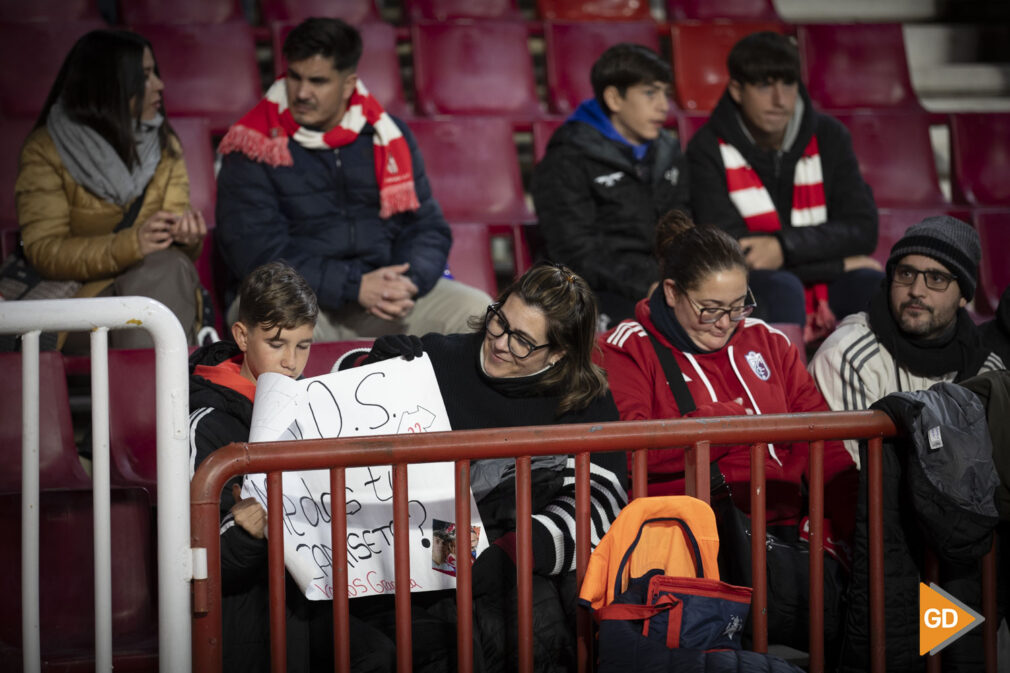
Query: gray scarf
93	163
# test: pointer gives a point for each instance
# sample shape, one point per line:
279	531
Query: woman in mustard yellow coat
102	192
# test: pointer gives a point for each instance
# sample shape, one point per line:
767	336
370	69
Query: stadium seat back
354	12
198	151
470	257
323	355
980	159
688	124
895	156
66	594
572	48
59	466
994	272
449	10
49	10
209	70
795	334
543	129
856	65
379	68
594	10
474	68
473	168
133	424
23	90
12	137
737	10
699	51
133	12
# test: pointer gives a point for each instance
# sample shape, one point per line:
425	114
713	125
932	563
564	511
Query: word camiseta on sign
389	397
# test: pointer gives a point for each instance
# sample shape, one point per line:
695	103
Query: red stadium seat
66	593
470	257
379	67
133	12
980	158
994	271
49	10
12	136
352	11
894	221
198	151
209	70
895	156
23	90
132	419
573	47
594	10
856	66
795	334
474	68
699	53
59	466
738	10
473	168
447	10
543	129
688	124
323	355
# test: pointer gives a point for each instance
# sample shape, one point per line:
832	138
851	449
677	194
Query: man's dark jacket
321	215
813	253
943	439
597	206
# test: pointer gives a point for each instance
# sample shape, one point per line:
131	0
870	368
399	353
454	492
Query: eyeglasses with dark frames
710	314
938	281
495	324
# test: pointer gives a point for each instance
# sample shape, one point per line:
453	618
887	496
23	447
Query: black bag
788	574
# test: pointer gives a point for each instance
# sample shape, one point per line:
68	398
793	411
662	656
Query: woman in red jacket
731	364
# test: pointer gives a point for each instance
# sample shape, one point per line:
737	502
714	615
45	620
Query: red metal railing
522	443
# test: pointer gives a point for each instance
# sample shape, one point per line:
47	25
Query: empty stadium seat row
471	67
359	11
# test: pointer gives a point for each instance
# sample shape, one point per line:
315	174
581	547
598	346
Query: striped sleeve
993	363
554	526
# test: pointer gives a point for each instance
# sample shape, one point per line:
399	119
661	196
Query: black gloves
395	345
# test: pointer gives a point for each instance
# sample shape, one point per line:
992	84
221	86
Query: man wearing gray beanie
916	331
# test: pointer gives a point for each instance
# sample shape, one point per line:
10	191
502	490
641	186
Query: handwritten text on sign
390	397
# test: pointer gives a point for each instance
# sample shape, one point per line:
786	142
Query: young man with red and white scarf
317	174
782	179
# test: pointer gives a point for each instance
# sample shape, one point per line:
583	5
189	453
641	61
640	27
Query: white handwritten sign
390	397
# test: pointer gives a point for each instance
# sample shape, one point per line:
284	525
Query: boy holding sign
277	315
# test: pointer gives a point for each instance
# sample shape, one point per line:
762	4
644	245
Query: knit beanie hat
948	240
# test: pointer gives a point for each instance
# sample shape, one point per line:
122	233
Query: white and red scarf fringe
755	205
262	135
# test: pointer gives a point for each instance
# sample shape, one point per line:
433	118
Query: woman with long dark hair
529	361
102	193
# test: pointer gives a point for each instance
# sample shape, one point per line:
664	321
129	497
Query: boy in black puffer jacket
273	334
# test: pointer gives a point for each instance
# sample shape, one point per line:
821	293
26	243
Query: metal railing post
30	638
175	561
102	500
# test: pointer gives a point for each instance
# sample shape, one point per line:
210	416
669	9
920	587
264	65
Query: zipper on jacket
352	230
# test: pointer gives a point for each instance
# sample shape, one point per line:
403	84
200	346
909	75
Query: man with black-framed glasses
916	331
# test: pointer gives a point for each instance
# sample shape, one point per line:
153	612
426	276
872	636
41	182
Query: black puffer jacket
598	207
814	254
956	522
321	215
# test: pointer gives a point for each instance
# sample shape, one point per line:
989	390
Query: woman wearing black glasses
529	361
723	364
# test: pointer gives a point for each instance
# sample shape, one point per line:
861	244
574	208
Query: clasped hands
765	252
163	229
387	293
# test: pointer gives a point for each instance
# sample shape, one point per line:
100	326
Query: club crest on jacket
758	364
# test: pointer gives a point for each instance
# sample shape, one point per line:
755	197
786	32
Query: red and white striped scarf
262	135
755	205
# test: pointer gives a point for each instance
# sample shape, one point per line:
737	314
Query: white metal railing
30	318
